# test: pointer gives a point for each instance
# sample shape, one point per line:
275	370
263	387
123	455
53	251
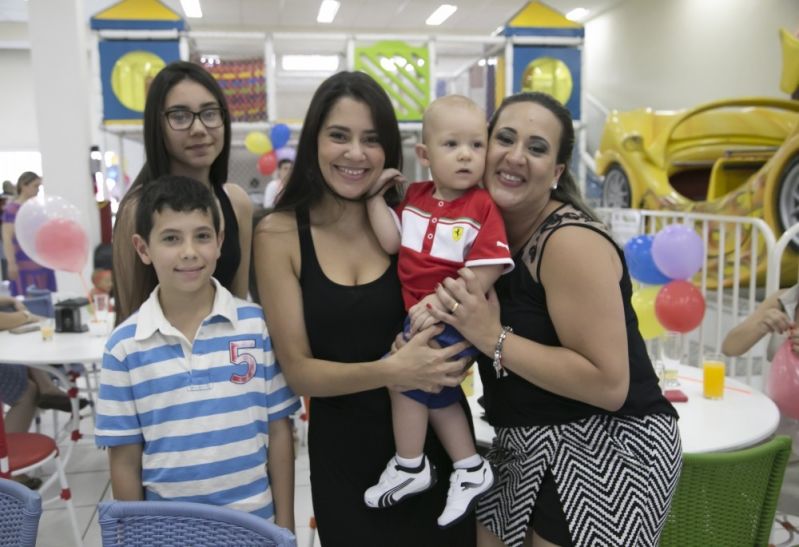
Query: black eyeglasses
181	119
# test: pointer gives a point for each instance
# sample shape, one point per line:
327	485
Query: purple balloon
286	153
678	251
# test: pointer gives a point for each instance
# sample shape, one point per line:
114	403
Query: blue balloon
279	135
638	254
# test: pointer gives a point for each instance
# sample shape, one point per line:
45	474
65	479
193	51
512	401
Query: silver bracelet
501	372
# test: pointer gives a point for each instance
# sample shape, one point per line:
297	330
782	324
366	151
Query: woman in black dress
333	306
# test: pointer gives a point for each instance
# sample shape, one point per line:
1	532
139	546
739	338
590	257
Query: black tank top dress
230	255
350	436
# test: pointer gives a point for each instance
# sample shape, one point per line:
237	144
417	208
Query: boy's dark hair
181	194
283	162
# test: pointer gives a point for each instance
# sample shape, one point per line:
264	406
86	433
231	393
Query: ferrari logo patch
457	233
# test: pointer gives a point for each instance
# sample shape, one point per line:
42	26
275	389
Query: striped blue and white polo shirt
201	410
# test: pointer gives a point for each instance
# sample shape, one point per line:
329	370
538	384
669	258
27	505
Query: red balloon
267	163
679	306
61	244
783	381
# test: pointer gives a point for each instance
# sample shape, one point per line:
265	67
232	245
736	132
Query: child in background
776	316
441	226
192	404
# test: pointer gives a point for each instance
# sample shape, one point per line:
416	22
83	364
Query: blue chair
20	510
153	523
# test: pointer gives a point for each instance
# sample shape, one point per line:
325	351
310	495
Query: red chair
24	452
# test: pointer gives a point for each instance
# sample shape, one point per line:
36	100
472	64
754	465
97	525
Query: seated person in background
192	404
440	227
102	283
25	389
776	316
276	185
13	313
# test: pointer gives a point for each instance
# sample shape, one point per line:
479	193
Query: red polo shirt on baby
440	237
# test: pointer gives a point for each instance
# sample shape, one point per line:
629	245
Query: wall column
60	59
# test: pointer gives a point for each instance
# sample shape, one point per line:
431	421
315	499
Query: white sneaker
465	488
397	483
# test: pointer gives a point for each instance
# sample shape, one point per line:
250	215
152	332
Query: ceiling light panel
192	8
577	14
327	11
441	14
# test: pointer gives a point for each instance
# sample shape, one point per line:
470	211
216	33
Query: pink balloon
783	381
61	244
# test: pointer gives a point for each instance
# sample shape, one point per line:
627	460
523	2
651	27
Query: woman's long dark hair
143	278
157	157
306	186
567	190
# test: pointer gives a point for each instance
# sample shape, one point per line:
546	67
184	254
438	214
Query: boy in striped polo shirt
192	405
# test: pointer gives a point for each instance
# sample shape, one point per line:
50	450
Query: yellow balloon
257	143
643	302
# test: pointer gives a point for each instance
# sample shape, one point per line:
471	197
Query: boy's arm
381	217
280	465
125	463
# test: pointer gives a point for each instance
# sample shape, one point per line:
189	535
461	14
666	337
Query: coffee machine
68	316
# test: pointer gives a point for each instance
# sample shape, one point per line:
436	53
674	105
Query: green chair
727	498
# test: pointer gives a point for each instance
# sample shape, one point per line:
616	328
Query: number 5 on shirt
238	357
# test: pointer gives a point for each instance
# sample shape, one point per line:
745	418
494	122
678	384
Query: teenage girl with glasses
186	132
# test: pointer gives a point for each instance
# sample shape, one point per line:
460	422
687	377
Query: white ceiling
479	17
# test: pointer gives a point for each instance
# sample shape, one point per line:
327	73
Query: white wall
669	54
17	112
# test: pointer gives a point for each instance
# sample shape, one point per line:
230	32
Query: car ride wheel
616	191
788	204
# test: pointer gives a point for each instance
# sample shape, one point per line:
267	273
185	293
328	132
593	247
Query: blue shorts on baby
447	395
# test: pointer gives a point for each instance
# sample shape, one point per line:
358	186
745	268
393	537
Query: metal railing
737	272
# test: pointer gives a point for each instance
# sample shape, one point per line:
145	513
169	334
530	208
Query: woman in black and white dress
587	449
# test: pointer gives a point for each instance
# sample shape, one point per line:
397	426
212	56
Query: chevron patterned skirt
614	475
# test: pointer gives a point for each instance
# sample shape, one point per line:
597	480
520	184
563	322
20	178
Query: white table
66	347
744	417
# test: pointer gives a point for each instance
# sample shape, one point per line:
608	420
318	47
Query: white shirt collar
151	317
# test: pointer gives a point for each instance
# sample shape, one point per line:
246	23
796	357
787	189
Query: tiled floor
87	473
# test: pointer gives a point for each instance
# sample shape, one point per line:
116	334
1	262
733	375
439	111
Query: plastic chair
152	523
20	510
728	498
24	452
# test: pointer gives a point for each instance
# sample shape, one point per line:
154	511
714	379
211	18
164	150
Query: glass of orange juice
713	376
47	328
